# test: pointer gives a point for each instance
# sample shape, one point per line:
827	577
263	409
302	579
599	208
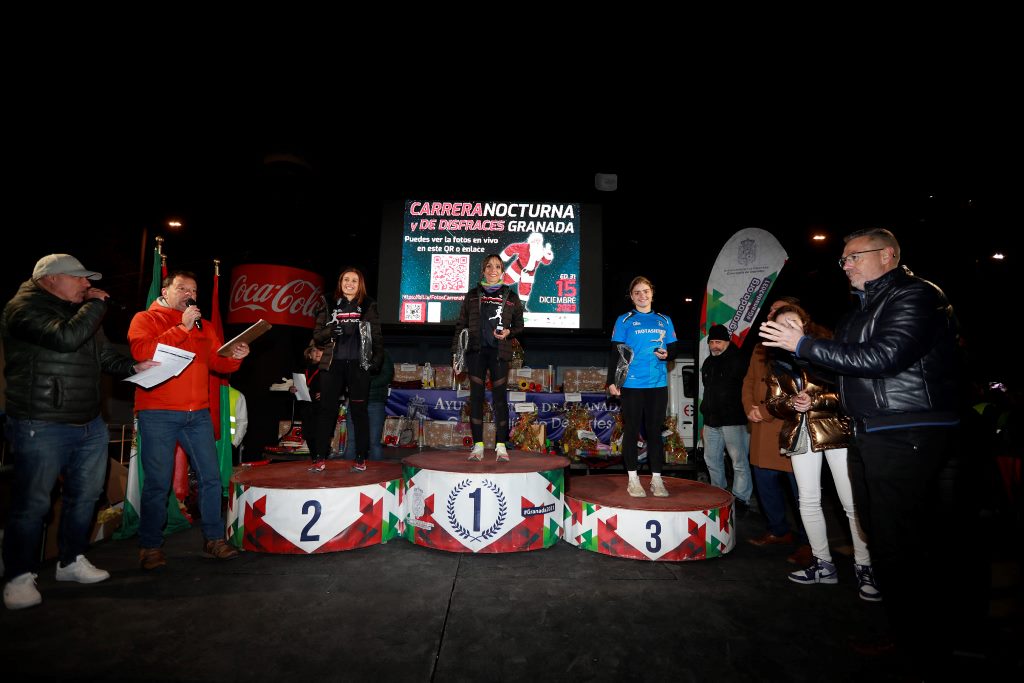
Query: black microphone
199	323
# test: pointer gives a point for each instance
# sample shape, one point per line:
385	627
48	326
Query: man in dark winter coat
725	422
54	350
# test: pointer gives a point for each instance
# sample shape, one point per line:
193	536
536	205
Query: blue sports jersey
645	332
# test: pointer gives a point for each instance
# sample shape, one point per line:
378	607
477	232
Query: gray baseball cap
62	264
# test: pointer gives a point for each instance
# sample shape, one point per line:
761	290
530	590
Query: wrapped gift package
528	379
584	379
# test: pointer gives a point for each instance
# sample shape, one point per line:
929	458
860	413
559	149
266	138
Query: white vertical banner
744	272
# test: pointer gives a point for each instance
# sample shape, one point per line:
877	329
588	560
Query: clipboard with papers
255	330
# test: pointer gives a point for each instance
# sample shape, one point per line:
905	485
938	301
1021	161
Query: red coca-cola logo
278	294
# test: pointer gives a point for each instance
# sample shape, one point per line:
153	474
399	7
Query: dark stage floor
404	613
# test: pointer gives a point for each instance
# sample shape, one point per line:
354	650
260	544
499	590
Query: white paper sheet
172	362
301	390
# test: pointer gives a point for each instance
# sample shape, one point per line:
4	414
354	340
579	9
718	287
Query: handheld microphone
199	322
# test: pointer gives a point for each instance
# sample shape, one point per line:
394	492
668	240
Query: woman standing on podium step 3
490	315
643	342
815	427
349	332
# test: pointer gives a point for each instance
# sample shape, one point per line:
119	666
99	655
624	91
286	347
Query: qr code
449	273
413	312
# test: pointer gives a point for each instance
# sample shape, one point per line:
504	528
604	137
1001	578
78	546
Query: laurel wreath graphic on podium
490	531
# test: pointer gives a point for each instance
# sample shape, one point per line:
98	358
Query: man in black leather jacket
894	355
54	351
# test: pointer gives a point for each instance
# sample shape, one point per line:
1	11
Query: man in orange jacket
178	410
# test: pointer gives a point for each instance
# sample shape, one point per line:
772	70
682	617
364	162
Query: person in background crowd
725	421
772	471
651	341
377	409
491	314
54	351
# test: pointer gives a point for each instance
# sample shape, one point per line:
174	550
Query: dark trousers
646	407
478	364
770	486
894	476
344	376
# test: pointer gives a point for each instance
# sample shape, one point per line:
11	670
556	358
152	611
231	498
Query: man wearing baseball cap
54	350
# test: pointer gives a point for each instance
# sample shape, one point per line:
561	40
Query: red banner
278	294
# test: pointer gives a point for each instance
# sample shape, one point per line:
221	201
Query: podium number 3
654	545
306	507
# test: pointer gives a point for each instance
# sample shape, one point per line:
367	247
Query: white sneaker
477	453
20	592
82	571
501	454
634	489
658	487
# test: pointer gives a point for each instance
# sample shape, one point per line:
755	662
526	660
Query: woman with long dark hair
349	332
490	316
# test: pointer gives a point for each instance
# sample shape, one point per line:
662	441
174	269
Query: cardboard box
117	482
442	434
407	372
538	377
584	379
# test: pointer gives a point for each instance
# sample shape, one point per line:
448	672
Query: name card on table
526	407
574	397
514	396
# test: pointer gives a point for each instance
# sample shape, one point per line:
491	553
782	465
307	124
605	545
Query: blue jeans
42	452
159	430
377	413
736	439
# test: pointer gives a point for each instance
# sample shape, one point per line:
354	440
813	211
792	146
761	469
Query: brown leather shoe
771	539
151	558
803	557
220	549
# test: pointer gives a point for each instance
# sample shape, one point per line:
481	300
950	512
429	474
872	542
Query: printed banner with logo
278	294
482	513
444	404
743	275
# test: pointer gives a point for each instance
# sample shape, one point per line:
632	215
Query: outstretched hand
783	336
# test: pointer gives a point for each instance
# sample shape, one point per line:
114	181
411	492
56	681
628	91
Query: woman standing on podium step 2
815	426
643	342
349	332
490	315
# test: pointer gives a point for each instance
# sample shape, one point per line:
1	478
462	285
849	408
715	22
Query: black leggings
478	363
648	406
344	375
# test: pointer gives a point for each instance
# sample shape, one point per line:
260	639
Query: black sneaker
359	466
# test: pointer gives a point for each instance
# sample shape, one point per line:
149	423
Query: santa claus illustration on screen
524	258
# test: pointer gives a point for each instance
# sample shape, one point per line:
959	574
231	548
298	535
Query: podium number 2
315	506
654	545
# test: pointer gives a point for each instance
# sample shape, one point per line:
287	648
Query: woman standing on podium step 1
349	332
490	315
643	342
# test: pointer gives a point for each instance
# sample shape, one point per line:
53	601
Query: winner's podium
457	505
284	508
694	523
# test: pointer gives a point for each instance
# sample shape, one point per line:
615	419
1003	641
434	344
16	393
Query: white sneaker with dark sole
634	489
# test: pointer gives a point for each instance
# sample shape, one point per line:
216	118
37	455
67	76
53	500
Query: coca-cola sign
278	294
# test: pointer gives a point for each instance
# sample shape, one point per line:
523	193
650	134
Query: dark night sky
322	201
